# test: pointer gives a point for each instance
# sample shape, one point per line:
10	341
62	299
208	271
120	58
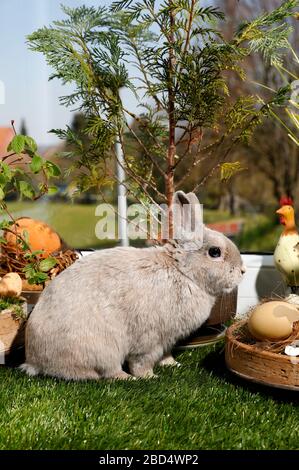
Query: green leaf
2	194
33	254
25	236
36	164
46	264
24	242
5	224
227	170
17	144
37	278
30	144
26	189
6	171
29	270
52	169
52	190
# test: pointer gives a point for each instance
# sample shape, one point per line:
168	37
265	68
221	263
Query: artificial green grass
197	406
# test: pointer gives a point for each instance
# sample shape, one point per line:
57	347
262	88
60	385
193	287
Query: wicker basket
257	365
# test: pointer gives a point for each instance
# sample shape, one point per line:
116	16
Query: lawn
197	406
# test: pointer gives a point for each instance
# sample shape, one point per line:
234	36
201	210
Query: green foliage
22	143
17	144
30	145
182	64
283	97
18	176
37	269
84	52
51	169
26	189
269	33
36	164
13	304
47	264
230	169
52	190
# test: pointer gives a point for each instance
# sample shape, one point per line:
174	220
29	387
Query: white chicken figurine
286	254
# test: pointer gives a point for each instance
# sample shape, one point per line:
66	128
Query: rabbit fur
129	305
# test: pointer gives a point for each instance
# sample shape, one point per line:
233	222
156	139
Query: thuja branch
149	155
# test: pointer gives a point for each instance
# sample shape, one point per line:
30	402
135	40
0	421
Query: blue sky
28	94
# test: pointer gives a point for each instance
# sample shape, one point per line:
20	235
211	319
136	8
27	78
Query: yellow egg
273	320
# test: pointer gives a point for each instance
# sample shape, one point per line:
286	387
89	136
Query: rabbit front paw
169	361
142	370
143	373
121	376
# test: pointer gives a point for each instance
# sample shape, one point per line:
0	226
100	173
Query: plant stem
189	27
169	178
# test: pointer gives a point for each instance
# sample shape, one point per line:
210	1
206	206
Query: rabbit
130	305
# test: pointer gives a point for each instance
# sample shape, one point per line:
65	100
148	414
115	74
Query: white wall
261	280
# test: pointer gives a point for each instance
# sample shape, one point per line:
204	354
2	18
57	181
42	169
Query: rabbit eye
214	252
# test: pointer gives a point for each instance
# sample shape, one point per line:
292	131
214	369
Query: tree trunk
169	179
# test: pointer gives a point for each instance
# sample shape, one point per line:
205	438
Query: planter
213	329
31	294
12	330
31	298
12	334
224	309
260	366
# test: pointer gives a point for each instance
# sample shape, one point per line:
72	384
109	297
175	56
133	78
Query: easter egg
273	320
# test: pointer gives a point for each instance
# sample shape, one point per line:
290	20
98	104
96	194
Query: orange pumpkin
40	235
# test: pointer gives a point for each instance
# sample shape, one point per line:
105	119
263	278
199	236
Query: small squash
40	236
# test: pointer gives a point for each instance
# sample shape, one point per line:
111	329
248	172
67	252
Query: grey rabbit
130	304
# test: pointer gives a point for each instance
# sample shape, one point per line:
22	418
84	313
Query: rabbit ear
187	217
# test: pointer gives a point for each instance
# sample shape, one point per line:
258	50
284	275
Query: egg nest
243	335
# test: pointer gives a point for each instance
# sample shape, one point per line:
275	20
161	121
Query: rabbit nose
243	269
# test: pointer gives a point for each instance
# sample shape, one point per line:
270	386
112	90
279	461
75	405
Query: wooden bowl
260	366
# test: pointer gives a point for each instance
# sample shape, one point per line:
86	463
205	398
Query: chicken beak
282	215
280	211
